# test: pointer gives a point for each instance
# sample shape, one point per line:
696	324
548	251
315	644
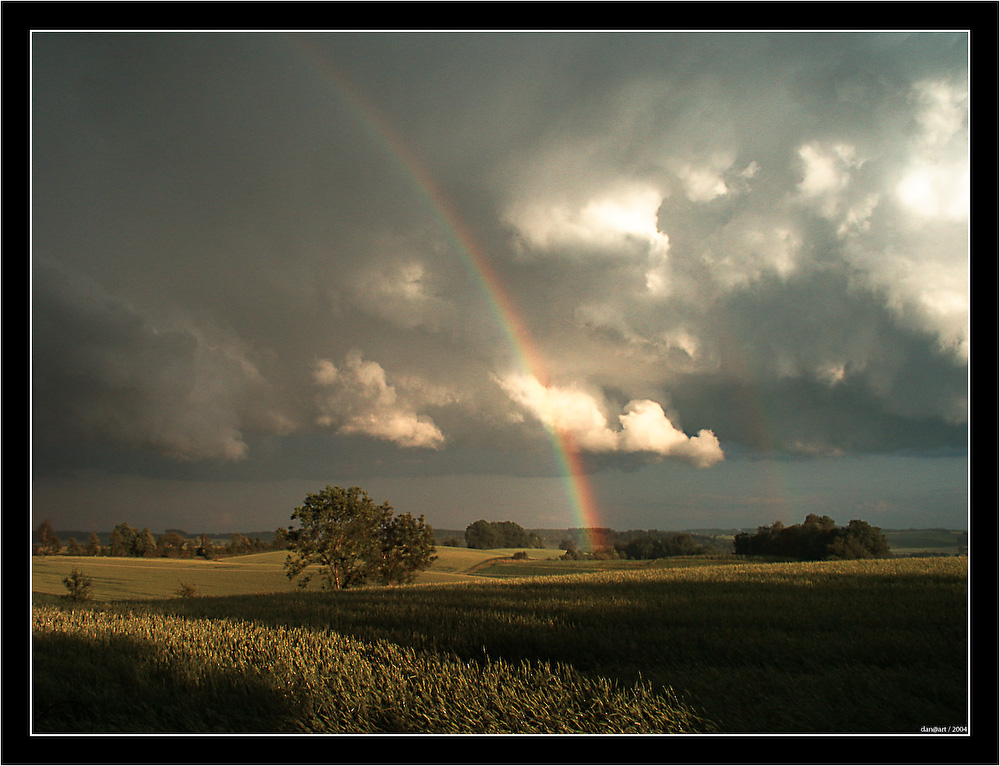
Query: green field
854	647
945	542
127	578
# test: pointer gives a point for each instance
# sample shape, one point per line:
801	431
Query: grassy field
867	646
945	542
126	578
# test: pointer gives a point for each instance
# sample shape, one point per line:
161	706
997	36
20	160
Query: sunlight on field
127	578
123	578
749	647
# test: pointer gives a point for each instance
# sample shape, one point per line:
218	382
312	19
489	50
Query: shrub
79	585
186	590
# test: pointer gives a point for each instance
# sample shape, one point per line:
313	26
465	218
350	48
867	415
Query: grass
225	675
868	646
928	541
506	567
127	578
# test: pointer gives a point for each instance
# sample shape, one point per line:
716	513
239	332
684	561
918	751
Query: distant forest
816	538
575	541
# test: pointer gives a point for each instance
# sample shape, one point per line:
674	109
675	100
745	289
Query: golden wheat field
851	646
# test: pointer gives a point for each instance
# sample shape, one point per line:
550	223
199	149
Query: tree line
130	542
815	539
349	540
654	545
484	534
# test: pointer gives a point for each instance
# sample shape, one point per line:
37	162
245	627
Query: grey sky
743	260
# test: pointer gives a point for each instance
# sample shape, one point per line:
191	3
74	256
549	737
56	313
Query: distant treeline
128	541
644	544
484	534
817	538
104	536
512	535
777	540
601	543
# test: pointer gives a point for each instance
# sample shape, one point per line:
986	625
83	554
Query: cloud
606	217
826	172
563	409
645	427
702	215
103	370
244	272
357	399
401	285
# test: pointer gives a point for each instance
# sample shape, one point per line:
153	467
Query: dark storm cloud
102	371
762	237
796	243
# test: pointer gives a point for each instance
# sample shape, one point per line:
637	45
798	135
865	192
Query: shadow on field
498	619
804	652
122	685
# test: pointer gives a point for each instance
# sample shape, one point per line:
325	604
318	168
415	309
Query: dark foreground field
848	647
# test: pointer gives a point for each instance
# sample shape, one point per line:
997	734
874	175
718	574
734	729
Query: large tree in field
407	548
346	538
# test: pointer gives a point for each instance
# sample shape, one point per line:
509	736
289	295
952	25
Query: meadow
875	646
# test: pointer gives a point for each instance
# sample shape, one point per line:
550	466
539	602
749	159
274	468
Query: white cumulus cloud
645	427
605	217
358	399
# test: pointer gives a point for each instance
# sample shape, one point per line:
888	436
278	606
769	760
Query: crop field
128	578
935	541
875	646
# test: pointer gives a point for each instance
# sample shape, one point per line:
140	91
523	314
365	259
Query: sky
628	279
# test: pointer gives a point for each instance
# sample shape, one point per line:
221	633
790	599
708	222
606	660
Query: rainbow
579	491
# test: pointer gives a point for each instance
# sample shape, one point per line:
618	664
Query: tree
482	535
500	534
572	550
280	540
48	542
93	545
206	549
239	543
171	544
742	544
573	554
339	532
656	545
122	539
816	539
407	548
859	540
144	544
815	536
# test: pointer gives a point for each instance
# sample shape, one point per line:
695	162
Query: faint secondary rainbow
578	488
